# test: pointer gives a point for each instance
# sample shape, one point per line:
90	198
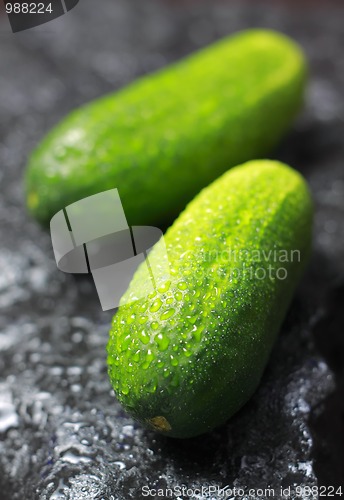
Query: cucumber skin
167	135
222	331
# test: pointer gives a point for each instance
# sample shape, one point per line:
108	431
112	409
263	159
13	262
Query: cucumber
167	135
190	354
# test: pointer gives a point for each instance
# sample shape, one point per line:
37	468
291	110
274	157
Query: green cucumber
169	134
189	355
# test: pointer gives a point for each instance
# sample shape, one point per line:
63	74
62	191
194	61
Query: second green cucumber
164	137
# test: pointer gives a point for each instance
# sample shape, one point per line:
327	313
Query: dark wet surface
62	434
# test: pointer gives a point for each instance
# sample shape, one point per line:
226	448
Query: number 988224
28	8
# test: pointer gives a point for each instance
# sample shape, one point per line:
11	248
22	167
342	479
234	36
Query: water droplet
151	386
136	356
128	430
186	352
72	456
165	287
8	416
144	337
155	306
197	333
150	355
192	319
148	359
167	314
182	285
174	361
121	465
162	341
125	390
125	344
131	319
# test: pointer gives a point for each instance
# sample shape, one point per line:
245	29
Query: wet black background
62	435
